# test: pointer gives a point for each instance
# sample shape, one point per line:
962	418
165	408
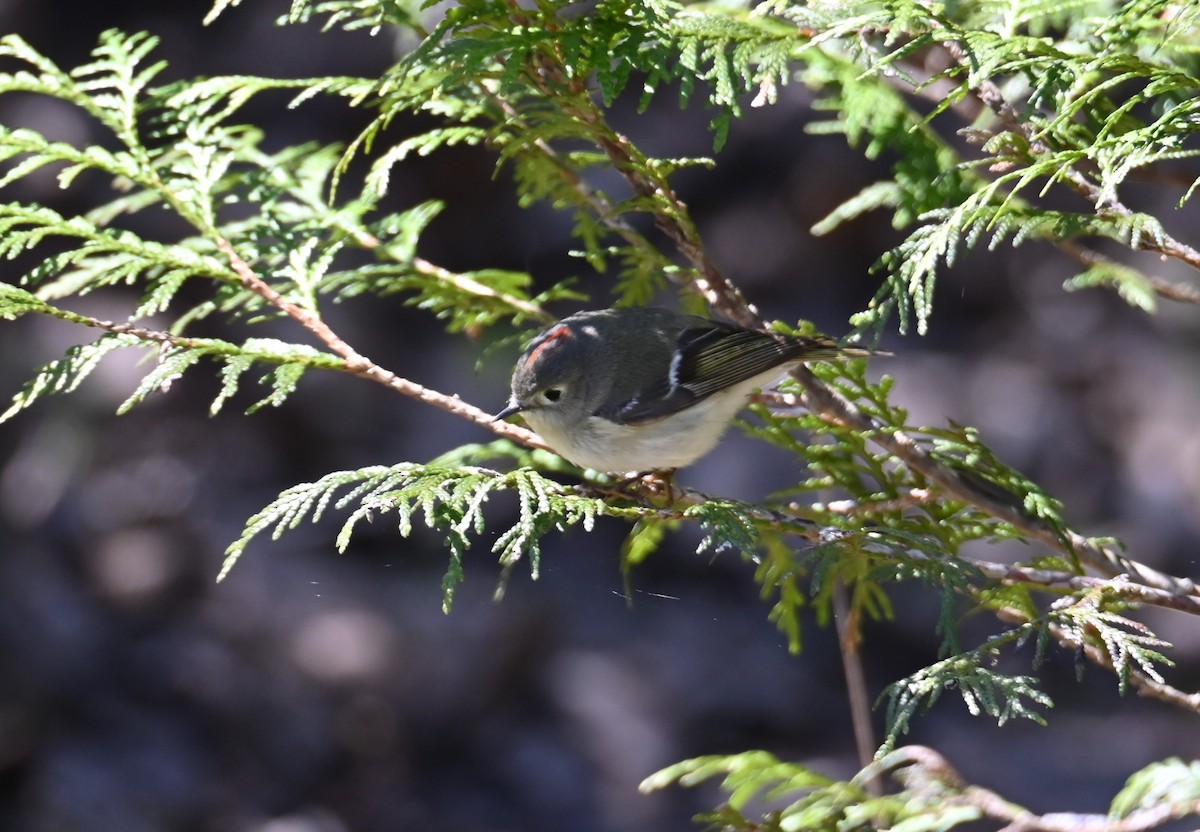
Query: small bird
644	389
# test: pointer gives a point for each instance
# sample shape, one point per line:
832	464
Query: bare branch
849	640
1182	292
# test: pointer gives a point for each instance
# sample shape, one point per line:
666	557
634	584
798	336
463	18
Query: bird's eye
552	394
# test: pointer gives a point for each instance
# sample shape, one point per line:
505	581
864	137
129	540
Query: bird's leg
661	482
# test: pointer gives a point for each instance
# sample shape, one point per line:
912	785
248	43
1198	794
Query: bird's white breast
672	442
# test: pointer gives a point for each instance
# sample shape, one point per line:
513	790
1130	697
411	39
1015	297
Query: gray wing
711	358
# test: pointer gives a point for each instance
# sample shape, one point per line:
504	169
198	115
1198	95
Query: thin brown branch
1182	292
912	497
1008	573
922	770
310	321
154	335
597	201
990	96
822	399
474	287
1142	683
1145	685
722	296
359	365
993	97
849	639
1053	579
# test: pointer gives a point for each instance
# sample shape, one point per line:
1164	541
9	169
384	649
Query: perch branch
727	300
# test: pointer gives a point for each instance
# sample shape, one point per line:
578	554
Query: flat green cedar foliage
1069	97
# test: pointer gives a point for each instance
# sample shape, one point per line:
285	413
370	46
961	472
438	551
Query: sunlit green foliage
988	115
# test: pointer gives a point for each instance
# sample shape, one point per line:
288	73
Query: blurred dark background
312	692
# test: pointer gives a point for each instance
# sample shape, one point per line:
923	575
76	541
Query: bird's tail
821	348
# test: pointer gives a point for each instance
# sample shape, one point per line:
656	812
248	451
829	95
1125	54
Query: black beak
512	408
